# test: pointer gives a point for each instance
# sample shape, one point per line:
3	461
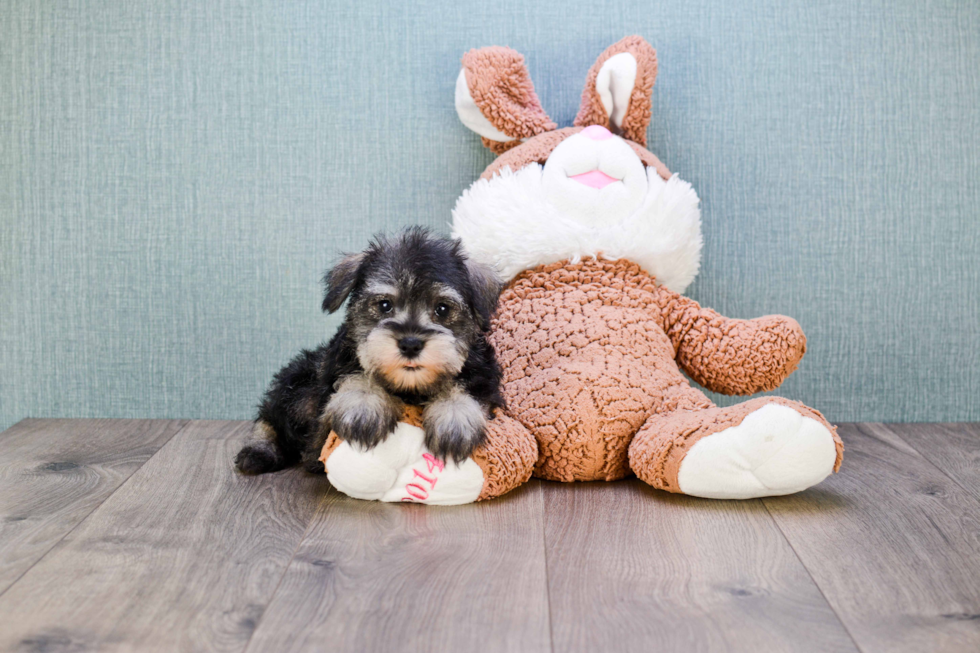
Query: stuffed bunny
597	241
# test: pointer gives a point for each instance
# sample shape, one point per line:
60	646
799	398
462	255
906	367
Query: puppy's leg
455	424
287	413
361	412
311	454
263	454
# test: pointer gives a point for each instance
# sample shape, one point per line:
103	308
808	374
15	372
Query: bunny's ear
496	99
617	89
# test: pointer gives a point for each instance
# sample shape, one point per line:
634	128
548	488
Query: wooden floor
139	535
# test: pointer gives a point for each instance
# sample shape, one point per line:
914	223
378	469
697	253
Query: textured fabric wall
175	176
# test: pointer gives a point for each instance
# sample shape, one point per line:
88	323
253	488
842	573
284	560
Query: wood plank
54	472
894	545
185	555
953	448
634	569
389	577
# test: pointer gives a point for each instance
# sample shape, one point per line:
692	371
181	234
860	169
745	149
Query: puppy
415	332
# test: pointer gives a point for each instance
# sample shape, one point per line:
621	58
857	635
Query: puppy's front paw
362	414
363	424
454	426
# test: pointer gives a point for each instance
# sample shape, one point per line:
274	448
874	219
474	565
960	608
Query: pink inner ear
594	179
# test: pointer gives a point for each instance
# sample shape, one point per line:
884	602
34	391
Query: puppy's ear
340	280
486	286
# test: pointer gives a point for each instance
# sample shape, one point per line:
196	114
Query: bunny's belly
585	364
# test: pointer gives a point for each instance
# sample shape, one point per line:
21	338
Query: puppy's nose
410	346
596	133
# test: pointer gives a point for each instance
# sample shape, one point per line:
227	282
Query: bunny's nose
596	132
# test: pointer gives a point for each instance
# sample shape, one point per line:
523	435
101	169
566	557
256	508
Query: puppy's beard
441	358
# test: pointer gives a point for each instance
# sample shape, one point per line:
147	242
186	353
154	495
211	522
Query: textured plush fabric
508	456
512	223
733	357
588	355
634	127
516	154
591	331
656	453
175	176
501	87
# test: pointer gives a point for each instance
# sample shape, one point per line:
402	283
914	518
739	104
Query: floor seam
810	576
285	570
81	521
969	494
547	574
929	460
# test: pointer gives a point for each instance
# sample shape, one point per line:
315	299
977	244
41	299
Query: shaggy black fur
290	416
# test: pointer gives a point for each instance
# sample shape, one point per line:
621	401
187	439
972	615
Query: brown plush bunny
597	240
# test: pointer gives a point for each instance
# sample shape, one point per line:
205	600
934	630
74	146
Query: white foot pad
774	451
402	469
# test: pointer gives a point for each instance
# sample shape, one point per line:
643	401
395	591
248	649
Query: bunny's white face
594	178
583	203
573	193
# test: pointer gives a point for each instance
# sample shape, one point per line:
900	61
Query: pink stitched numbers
417	490
432	462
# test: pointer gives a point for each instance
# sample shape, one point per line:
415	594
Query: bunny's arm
733	357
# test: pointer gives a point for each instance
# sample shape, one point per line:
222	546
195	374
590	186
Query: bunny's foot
764	447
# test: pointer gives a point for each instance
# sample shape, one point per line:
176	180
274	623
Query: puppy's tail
264	454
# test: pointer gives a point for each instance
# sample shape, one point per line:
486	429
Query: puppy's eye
442	309
385	306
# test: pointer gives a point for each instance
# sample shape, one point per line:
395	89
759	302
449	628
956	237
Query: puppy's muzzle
410	346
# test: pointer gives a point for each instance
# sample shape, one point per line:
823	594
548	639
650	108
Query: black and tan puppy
415	332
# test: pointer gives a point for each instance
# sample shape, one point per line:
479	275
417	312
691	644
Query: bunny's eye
385	306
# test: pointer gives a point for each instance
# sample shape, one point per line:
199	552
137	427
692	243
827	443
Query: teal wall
175	176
